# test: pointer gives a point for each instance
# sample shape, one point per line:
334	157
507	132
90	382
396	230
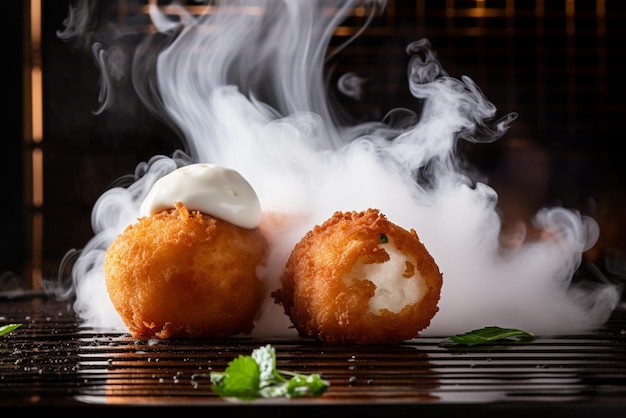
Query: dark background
556	63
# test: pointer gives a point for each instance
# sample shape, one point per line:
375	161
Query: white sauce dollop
213	190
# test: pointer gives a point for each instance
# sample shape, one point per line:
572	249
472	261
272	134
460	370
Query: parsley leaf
5	329
487	335
241	379
255	376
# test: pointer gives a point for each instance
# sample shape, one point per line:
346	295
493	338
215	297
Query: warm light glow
36	135
36	78
570	8
539	9
479	10
344	31
509	10
570	12
450	10
601	15
37	177
600	9
35	20
203	9
359	11
37	104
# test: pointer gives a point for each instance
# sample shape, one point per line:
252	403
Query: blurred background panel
557	63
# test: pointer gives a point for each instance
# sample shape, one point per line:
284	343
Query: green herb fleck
255	376
487	335
5	329
383	239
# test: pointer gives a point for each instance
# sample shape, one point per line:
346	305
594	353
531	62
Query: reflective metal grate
53	361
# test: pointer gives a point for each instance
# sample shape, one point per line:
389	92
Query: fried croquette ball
360	279
182	273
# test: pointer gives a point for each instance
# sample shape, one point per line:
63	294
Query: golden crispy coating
360	279
185	274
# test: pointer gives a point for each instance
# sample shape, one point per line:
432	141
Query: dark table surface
52	362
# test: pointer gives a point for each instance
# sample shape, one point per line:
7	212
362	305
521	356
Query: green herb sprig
255	376
487	335
5	329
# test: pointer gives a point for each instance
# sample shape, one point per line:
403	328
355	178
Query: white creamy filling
393	291
213	190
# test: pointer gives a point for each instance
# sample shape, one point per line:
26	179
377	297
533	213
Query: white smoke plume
244	84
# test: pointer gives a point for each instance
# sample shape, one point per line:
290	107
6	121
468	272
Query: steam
244	85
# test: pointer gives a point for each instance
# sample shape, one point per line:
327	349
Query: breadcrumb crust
319	303
182	273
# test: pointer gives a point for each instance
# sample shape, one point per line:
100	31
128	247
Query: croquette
182	273
360	279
